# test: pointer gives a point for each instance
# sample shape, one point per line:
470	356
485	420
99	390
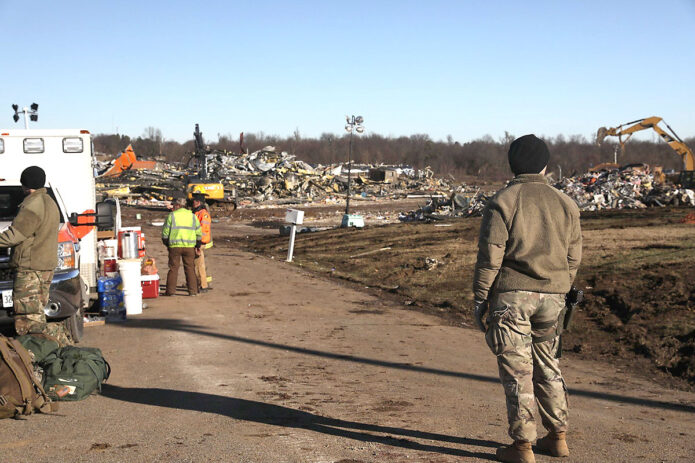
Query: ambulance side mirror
103	218
106	211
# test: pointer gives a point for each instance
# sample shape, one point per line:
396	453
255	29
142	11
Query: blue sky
459	68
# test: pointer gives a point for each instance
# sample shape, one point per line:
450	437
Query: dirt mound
649	312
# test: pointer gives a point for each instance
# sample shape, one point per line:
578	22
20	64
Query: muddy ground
637	274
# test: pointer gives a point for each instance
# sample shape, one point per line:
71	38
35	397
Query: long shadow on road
276	415
177	325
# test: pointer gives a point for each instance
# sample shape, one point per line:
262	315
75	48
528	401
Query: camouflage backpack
20	392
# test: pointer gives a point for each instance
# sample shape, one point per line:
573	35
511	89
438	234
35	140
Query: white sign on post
294	217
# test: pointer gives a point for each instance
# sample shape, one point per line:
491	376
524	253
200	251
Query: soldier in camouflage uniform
33	236
30	296
528	255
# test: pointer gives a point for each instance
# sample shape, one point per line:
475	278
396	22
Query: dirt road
278	365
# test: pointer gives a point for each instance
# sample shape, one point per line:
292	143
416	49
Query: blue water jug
105	284
110	299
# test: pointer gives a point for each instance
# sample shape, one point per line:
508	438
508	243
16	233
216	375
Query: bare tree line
485	157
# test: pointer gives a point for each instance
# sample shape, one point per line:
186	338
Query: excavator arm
628	129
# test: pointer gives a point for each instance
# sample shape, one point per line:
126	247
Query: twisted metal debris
268	176
628	188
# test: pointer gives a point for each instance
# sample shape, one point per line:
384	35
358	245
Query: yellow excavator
203	183
687	176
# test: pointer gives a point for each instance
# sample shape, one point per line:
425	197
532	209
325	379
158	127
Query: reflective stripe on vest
205	223
184	235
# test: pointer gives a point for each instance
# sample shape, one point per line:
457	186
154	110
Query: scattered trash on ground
632	187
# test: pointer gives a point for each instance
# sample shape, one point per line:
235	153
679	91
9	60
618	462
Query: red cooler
150	286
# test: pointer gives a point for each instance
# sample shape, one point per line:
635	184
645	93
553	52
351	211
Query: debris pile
627	188
267	175
464	201
631	187
271	177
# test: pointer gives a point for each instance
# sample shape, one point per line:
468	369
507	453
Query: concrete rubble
463	201
627	188
631	187
269	176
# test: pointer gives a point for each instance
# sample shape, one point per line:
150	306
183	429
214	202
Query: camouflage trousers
529	371
30	296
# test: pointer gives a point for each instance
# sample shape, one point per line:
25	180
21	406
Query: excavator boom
672	139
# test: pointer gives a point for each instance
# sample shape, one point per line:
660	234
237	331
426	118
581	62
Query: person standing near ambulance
181	235
201	211
33	237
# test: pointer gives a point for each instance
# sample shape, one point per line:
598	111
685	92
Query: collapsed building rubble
271	177
268	175
630	187
463	201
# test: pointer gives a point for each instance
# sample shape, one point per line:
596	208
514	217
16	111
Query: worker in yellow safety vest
182	235
201	212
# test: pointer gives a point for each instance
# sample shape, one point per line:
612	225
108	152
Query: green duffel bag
75	373
40	346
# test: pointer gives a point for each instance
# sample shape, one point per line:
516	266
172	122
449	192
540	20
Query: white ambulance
67	157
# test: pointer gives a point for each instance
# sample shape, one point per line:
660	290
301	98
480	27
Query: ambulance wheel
75	326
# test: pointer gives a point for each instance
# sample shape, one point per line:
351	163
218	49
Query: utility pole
354	124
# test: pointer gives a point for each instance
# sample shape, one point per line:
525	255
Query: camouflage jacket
530	239
34	233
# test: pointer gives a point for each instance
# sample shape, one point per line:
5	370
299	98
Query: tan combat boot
553	444
518	452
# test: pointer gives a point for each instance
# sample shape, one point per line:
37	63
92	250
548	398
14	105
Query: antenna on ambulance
30	113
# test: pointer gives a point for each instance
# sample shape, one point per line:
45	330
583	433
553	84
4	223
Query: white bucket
132	289
133	303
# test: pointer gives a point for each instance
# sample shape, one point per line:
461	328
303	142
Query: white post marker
294	217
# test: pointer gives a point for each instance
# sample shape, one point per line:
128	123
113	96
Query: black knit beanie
528	155
33	178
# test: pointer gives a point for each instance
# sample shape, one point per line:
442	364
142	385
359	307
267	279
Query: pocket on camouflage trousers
497	336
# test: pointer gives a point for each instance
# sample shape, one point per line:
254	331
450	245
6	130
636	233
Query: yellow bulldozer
687	177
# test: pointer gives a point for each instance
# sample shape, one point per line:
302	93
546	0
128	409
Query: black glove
479	314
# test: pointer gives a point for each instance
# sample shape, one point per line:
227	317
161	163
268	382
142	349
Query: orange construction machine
687	176
128	161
